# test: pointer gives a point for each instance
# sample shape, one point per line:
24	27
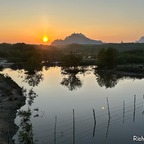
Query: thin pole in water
94	122
55	130
109	117
108	107
123	111
134	108
73	127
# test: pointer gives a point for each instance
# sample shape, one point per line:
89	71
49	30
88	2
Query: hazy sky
108	20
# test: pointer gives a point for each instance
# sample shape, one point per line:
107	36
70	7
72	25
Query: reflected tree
31	96
33	79
71	80
26	131
110	78
25	135
33	69
107	79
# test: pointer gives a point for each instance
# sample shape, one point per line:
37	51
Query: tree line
31	56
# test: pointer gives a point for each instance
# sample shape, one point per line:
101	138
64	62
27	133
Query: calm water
63	107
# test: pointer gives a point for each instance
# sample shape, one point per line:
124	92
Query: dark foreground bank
11	99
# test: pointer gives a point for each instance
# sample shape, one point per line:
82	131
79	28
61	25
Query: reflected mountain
71	80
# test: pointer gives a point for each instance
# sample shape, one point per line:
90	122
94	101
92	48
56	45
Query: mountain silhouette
76	38
141	40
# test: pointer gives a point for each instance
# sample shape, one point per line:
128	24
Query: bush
71	60
106	58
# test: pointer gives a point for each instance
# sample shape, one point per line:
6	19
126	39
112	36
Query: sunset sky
107	20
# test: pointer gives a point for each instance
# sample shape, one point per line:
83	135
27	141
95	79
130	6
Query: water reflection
26	130
71	80
107	79
25	134
32	76
33	79
31	96
108	123
33	71
110	78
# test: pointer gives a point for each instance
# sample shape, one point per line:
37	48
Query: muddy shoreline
11	99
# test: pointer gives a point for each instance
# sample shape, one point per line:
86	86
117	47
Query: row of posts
94	116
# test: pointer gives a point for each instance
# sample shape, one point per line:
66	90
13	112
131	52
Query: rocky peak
77	38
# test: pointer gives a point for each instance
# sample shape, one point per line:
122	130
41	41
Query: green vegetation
131	57
107	56
71	60
131	60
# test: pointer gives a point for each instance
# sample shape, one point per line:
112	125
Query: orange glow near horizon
48	33
39	38
109	21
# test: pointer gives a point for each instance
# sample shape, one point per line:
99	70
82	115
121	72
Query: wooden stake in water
108	125
123	111
143	107
134	108
73	127
94	122
108	107
109	117
55	130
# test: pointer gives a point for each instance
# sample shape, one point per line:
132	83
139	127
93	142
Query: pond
85	107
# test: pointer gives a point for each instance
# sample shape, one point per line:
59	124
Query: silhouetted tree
106	58
71	60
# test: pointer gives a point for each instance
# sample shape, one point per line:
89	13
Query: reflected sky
55	99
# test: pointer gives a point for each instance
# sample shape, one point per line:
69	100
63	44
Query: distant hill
76	38
141	40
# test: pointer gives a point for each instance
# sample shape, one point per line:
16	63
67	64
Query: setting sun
45	39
